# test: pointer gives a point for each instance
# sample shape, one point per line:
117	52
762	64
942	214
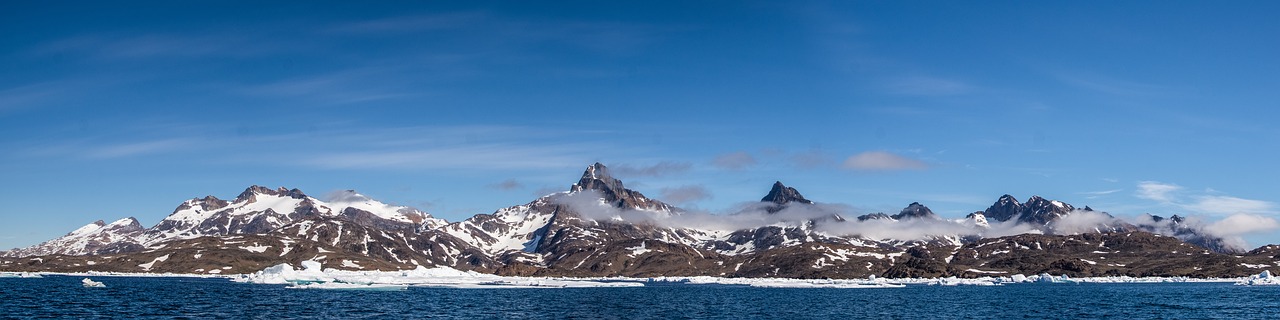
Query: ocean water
138	297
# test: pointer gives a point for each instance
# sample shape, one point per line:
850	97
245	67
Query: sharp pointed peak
782	194
597	171
914	210
596	177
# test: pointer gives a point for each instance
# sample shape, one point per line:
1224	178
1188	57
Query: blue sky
109	111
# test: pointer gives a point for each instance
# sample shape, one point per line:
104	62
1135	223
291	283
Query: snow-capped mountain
1037	211
257	210
598	227
97	237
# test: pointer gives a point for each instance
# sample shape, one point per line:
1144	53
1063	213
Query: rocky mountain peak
782	194
250	193
874	216
915	211
1041	211
1037	210
129	224
597	178
1003	209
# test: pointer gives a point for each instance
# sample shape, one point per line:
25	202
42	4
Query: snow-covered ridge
257	210
86	239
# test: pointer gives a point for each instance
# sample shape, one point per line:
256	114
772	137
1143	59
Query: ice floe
312	276
1262	279
89	283
19	275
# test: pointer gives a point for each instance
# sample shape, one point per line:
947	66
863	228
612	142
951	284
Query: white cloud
811	159
656	170
882	161
1168	194
1239	224
1157	191
734	161
485	156
1223	205
927	86
509	184
685	194
1100	193
137	148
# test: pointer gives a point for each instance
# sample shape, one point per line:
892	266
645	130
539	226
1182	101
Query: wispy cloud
341	87
1099	194
1225	205
1109	85
685	194
483	156
734	161
487	29
136	148
1173	195
656	170
509	184
882	161
1239	224
927	86
1161	192
412	23
811	159
160	45
26	96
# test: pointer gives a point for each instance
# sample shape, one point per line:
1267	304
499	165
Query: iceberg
1262	279
313	277
89	283
953	281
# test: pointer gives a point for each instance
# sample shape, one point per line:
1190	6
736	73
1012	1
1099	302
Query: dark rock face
782	194
1137	254
597	178
915	211
1037	211
1040	211
874	216
1006	208
371	220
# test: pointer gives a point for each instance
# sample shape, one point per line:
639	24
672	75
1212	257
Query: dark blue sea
130	297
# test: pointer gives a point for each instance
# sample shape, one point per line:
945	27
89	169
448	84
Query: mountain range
598	227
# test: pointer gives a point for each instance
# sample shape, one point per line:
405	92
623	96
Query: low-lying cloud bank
841	220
